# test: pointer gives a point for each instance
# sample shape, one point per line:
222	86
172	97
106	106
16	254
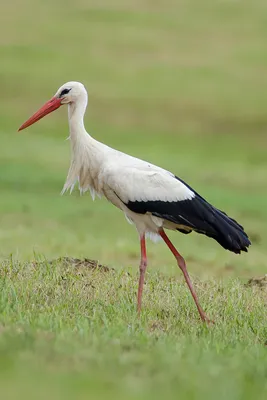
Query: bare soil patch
85	262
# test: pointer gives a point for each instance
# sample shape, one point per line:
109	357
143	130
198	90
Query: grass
77	331
184	86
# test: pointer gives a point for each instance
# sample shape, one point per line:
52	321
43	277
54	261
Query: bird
152	198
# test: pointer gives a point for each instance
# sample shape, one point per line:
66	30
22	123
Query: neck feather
87	153
76	111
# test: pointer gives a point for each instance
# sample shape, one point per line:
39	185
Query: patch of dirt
260	282
86	263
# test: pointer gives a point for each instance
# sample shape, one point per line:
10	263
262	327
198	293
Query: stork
152	198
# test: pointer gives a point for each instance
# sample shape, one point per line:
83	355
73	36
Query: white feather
92	192
154	237
129	220
132	183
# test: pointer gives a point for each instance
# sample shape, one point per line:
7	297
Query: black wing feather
198	215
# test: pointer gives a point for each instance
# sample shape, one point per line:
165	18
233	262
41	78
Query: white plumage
151	197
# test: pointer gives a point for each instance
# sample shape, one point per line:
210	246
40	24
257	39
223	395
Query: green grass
183	85
77	331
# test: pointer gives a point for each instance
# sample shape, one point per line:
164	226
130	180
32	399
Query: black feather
183	231
200	216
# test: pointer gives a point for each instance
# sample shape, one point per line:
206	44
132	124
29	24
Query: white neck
87	153
76	111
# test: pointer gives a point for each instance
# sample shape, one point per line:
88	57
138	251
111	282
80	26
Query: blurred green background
179	83
183	84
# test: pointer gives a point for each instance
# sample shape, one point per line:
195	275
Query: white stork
151	197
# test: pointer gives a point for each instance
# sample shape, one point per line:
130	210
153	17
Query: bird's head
70	92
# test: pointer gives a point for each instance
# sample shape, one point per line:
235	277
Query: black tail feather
227	232
214	223
217	225
200	216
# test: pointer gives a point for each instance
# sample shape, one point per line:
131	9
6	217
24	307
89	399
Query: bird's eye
64	91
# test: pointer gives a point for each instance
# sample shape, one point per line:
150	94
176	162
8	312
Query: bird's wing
148	189
147	183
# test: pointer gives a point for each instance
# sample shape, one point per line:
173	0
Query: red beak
48	107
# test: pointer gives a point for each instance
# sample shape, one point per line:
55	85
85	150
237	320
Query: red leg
143	265
182	266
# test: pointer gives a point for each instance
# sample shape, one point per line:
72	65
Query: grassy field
184	85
